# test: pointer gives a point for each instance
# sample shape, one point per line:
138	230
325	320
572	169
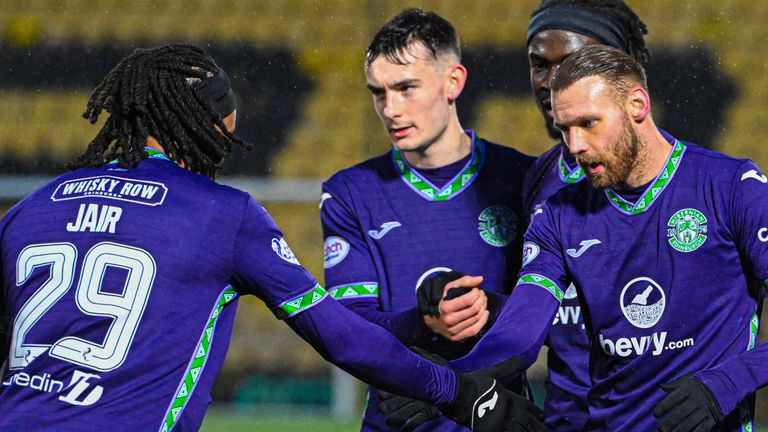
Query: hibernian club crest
497	225
687	230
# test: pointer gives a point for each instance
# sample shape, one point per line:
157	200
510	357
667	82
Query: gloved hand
404	412
481	402
689	406
407	413
430	292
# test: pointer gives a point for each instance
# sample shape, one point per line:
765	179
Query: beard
618	163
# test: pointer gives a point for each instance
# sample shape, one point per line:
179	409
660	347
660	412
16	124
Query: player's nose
547	84
575	142
392	106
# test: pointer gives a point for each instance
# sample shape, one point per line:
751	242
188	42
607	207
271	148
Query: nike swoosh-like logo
385	228
585	244
324	197
487	406
754	175
484	407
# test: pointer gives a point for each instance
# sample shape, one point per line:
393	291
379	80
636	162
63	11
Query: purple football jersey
387	228
126	284
668	283
121	285
565	405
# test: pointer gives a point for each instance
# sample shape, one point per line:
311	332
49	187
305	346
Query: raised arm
525	319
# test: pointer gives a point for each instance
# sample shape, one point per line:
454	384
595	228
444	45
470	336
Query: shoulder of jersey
175	175
364	171
713	162
507	154
553	152
576	195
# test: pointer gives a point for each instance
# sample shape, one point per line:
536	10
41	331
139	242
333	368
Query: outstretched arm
475	400
263	265
520	328
407	326
345	339
525	319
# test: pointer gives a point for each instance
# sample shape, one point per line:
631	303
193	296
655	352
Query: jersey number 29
125	308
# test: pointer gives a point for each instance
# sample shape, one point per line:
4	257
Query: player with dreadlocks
145	101
120	279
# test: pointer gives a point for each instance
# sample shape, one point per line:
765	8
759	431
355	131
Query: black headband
217	92
595	23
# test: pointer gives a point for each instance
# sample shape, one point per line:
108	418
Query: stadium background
297	69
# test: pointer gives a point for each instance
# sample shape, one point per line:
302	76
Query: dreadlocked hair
633	26
150	93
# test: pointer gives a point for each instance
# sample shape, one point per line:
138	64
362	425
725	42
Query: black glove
481	402
430	292
689	406
404	412
407	413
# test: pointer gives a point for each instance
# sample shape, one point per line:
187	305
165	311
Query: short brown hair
620	70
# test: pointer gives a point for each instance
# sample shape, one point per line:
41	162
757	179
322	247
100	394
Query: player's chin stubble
620	163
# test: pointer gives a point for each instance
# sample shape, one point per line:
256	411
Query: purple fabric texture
666	290
123	286
377	227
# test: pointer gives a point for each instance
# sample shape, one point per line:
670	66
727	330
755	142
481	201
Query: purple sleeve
332	330
735	378
407	326
265	266
347	256
350	273
500	300
524	321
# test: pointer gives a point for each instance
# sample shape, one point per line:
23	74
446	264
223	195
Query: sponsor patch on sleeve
336	249
530	251
281	248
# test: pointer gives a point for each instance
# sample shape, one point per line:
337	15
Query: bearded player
557	29
394	221
673	255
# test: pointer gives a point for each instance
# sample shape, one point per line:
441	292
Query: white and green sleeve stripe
355	290
542	282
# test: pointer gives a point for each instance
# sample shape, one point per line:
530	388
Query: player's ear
455	80
638	104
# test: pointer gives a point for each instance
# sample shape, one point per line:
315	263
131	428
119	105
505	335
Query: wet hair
623	16
617	68
413	26
153	92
